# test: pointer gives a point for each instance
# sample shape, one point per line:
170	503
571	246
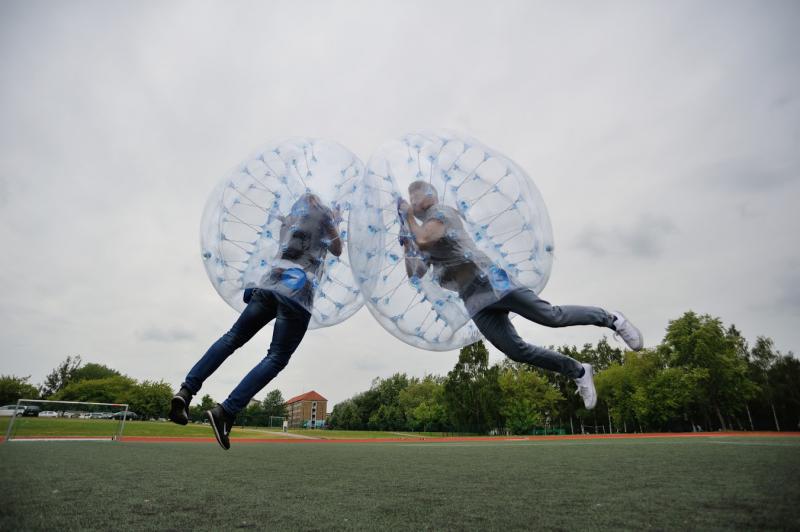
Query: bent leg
531	307
497	328
290	327
261	310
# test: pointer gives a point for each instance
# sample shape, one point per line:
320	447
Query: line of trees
72	380
702	376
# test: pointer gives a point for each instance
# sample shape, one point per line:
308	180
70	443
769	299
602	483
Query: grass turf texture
59	427
676	483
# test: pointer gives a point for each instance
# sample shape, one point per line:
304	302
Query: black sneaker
222	423
179	407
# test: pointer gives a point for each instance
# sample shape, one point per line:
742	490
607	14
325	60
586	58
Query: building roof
308	396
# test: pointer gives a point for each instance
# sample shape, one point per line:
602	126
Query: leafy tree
345	416
14	388
571	406
60	377
273	404
115	389
616	387
197	411
387	417
667	395
253	414
700	342
423	405
784	379
149	399
763	357
526	398
471	390
92	371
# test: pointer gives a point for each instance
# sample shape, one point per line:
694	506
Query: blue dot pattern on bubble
276	211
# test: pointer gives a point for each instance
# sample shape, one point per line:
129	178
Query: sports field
700	483
33	427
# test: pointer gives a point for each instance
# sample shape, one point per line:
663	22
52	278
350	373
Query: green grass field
44	427
666	483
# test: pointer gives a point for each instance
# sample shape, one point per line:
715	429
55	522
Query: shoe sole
591	374
638	334
210	417
178	404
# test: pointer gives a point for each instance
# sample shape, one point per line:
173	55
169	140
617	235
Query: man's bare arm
427	234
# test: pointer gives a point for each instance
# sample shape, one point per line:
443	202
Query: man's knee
233	339
513	347
278	359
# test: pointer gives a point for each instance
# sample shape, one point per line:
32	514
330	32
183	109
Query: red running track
154	439
162	439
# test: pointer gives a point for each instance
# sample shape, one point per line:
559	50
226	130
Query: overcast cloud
664	137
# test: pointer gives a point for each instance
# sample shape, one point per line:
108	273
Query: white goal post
46	420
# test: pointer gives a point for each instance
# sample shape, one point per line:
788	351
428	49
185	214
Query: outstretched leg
495	325
531	307
497	328
290	327
261	310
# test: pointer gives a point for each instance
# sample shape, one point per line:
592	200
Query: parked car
48	413
31	411
11	410
85	415
130	415
100	415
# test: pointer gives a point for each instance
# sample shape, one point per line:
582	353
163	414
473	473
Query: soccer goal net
41	420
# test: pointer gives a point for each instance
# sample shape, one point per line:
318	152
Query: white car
10	410
48	413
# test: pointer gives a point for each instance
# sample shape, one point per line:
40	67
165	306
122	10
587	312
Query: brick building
307	410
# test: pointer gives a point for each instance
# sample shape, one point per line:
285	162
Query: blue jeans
290	327
495	325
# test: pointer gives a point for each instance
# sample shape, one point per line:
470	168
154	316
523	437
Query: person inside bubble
440	242
285	294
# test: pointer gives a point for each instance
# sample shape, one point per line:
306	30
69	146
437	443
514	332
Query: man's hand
336	214
403	209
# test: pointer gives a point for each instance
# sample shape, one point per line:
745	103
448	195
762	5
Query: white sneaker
628	331
585	386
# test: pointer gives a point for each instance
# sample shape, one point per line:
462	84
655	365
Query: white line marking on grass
762	444
59	439
521	443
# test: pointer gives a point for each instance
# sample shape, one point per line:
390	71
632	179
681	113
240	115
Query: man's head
422	195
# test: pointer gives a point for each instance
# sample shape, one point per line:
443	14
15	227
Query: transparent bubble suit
240	227
501	209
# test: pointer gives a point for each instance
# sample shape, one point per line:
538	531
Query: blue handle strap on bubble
499	278
293	278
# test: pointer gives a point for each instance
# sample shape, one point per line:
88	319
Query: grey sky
664	137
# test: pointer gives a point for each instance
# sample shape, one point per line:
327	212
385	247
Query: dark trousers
291	323
495	325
